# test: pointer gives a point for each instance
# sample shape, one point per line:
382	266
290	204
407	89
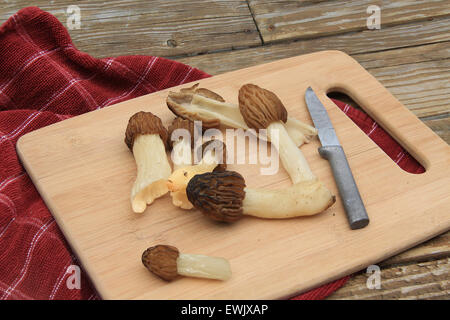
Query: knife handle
354	207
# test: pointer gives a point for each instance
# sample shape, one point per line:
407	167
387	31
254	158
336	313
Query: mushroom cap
176	99
142	123
162	261
260	107
218	146
203	92
180	123
218	195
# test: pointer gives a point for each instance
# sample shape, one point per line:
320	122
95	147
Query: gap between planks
280	20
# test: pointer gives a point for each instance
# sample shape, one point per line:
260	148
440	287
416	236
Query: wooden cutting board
84	171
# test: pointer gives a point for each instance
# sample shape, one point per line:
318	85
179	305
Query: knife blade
332	151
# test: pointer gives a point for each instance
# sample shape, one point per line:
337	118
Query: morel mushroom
262	109
223	196
167	263
207	106
146	137
213	159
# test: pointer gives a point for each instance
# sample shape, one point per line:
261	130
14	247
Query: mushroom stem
227	113
153	169
201	266
181	154
302	199
291	156
182	158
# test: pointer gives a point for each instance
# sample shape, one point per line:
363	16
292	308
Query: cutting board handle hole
376	133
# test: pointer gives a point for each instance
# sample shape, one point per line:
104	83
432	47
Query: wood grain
427	280
441	127
280	20
94	213
436	248
407	55
408	35
424	87
163	28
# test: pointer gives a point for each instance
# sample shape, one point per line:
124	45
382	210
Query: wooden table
410	55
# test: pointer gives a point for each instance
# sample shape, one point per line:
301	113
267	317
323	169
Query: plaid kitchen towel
45	79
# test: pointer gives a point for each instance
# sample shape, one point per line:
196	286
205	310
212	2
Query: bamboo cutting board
84	171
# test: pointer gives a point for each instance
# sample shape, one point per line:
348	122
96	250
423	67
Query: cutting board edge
23	140
71	241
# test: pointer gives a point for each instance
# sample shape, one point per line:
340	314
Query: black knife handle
353	204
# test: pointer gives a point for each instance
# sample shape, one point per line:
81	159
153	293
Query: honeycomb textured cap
162	261
260	107
218	195
142	123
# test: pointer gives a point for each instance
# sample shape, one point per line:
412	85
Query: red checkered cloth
45	79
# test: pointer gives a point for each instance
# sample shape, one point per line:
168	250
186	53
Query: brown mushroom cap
176	99
162	261
203	92
260	107
180	123
144	123
218	195
218	146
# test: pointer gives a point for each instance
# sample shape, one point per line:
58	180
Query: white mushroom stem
229	115
291	156
153	169
301	199
181	153
299	131
201	266
181	158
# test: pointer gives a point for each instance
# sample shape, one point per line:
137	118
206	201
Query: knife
332	150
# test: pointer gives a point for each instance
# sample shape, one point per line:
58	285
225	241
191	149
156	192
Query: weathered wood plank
408	35
441	127
423	87
401	56
284	19
163	28
428	280
436	248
